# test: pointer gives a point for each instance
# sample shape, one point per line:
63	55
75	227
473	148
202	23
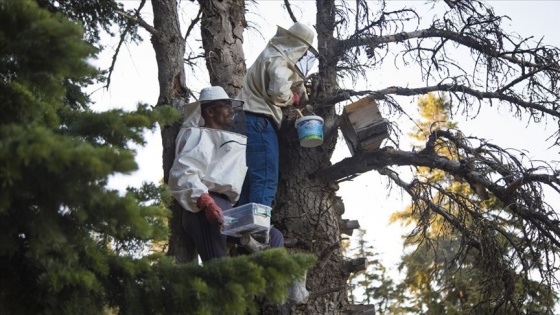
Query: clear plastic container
249	218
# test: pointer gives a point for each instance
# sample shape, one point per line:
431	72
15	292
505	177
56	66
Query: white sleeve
192	158
280	87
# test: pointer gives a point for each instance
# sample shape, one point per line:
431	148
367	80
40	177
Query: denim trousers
262	159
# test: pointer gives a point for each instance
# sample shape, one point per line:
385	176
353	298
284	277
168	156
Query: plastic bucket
310	131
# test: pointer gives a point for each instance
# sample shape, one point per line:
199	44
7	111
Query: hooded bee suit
269	85
274	76
210	161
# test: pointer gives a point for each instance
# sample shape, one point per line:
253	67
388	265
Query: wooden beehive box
363	126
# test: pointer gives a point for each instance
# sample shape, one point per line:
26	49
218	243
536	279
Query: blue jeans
262	158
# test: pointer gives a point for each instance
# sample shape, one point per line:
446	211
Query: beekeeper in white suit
208	171
275	80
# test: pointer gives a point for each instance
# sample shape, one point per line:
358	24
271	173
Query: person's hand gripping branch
213	212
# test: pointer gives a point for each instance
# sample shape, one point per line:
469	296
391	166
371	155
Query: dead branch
138	20
467	41
344	95
121	41
355	265
193	23
289	9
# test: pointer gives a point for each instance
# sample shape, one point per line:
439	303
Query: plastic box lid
248	218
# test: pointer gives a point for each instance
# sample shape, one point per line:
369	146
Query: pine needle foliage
69	244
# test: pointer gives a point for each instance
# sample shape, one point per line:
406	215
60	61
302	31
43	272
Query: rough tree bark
306	206
169	48
222	26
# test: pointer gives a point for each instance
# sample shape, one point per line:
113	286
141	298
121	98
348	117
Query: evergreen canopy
67	242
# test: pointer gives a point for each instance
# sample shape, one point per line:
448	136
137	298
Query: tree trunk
305	206
169	48
222	26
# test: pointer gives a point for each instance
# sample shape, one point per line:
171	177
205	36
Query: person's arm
280	87
191	161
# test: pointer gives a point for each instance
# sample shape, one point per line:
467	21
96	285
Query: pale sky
366	197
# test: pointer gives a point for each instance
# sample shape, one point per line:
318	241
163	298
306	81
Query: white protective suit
269	82
206	159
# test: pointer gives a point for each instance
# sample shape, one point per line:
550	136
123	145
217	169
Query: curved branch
138	20
543	178
344	95
485	48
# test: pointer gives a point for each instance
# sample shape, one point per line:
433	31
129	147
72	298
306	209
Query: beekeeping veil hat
192	112
303	33
296	43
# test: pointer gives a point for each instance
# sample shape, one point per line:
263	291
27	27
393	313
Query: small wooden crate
363	126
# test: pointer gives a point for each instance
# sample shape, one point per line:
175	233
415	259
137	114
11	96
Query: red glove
213	213
296	98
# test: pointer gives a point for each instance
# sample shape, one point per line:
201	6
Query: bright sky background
366	197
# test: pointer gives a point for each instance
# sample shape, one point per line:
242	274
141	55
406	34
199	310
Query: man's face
222	114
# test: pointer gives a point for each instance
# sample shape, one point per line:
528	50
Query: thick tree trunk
169	47
306	207
222	26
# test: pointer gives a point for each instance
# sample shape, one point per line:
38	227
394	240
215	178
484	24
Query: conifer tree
68	244
434	282
373	286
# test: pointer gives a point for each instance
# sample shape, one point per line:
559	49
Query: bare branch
344	95
138	20
473	43
434	207
503	176
121	41
289	9
193	23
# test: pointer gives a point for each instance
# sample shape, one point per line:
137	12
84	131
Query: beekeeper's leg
262	159
276	237
207	237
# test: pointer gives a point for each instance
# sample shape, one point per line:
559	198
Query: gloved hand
296	98
213	213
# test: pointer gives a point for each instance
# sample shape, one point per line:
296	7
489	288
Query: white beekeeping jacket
206	160
269	82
